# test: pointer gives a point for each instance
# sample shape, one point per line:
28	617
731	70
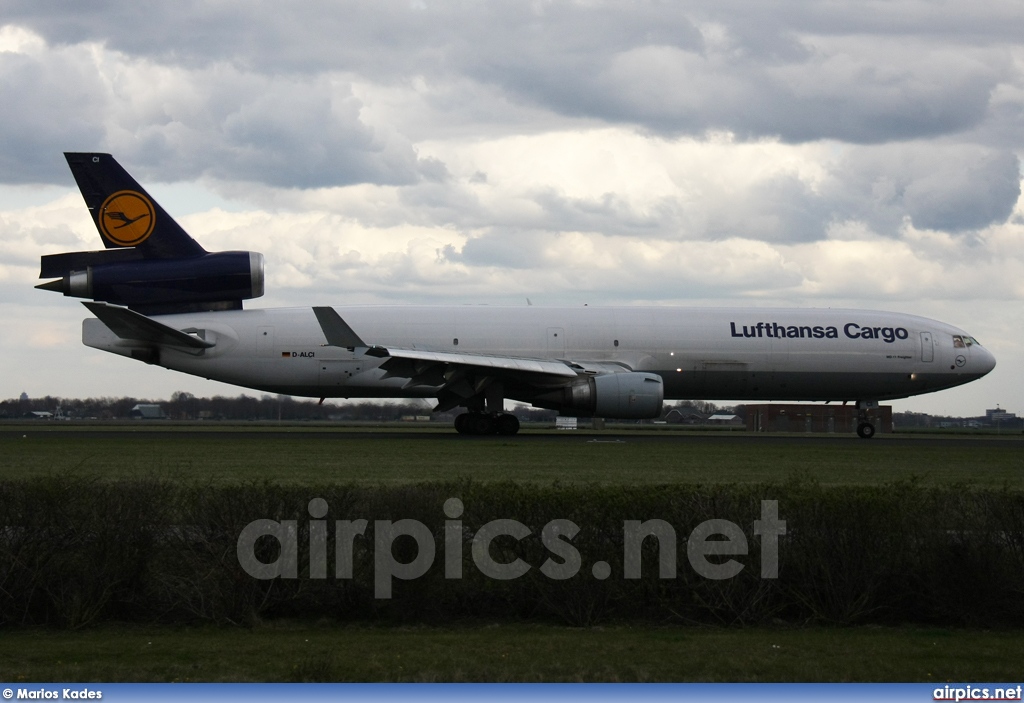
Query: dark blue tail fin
150	264
124	213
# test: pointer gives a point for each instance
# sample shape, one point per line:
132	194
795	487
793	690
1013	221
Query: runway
192	433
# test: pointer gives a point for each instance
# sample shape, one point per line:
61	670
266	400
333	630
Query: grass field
326	651
585	458
535	653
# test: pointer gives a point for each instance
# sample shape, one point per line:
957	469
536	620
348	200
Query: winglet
128	324
339	334
336	330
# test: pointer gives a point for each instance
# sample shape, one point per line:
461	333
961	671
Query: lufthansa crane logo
127	218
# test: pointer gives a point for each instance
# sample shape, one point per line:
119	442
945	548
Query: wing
458	376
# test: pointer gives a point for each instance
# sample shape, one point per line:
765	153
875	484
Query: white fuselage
712	353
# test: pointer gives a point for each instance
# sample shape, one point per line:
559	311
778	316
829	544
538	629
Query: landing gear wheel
480	423
484	424
506	424
865	430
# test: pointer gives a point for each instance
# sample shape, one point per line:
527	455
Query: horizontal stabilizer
127	324
59	265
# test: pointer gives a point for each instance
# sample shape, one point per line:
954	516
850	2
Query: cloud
51	99
285	131
27	233
954	188
793	71
708	152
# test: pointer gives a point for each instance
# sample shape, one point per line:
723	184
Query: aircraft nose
984	359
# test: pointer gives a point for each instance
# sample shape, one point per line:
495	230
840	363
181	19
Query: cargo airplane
160	298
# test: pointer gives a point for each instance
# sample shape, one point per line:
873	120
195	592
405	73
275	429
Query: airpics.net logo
713	548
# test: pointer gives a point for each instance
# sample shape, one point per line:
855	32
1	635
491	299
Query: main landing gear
865	426
478	423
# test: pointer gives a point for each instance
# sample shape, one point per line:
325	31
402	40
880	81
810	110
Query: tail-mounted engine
211	281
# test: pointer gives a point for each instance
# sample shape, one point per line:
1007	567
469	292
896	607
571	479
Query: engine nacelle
623	396
209	281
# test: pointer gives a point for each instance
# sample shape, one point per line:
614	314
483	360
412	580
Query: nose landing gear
865	430
865	424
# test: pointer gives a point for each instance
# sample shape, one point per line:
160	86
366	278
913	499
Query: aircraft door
927	348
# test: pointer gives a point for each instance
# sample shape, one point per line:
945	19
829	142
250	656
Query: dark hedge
75	552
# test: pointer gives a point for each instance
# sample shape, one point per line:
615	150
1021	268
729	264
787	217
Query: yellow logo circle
127	218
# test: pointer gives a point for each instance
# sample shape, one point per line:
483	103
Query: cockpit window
971	340
962	341
958	341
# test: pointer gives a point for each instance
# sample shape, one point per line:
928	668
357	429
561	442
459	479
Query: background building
813	418
147	411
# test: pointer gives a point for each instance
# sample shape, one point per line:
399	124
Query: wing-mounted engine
150	263
626	396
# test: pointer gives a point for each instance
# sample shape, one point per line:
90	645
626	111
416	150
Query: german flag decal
127	218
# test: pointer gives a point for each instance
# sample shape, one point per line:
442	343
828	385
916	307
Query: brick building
813	418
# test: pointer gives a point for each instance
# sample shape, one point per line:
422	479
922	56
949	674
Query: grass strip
534	460
513	653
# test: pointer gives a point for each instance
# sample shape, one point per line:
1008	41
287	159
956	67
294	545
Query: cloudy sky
841	154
